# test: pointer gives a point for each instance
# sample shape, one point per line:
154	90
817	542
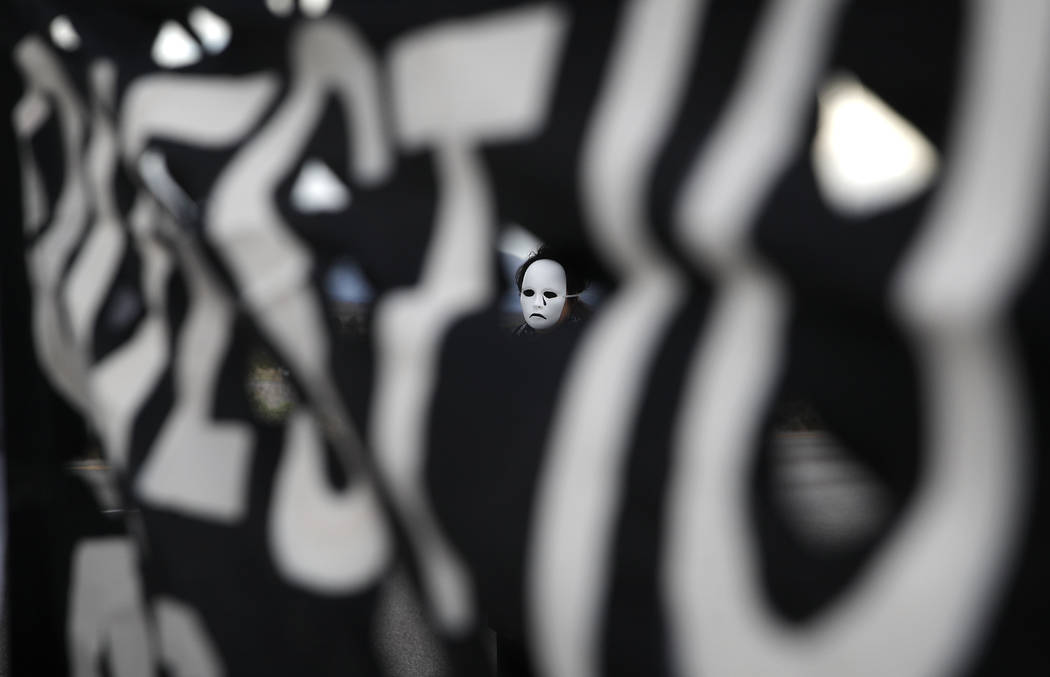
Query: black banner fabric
275	403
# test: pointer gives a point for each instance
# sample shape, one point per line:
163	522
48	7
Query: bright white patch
213	31
318	189
280	7
518	241
866	157
315	8
63	34
174	47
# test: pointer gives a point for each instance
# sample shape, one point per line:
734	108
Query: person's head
548	288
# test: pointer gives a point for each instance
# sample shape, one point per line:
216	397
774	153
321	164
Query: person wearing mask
549	290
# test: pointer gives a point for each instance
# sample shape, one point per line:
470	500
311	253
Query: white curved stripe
60	359
572	534
155	107
737	359
27	117
122	381
571	540
953	293
357	544
918	606
409	326
269	263
199	466
640	95
454	86
962	268
757	132
272	267
329	542
94	269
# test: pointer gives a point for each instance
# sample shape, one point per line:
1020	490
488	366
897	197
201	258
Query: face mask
543	294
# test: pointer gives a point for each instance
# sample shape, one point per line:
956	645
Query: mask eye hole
549	294
527	292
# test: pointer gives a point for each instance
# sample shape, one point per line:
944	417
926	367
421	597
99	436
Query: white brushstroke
866	157
213	31
63	34
329	542
454	86
571	540
317	189
174	47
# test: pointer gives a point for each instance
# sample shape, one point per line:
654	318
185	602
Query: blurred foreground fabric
217	465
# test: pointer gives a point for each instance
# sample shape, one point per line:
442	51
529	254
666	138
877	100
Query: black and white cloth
192	172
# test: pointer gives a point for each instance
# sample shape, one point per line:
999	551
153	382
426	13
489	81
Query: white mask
543	294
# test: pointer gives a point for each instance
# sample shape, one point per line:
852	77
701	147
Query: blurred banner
266	413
